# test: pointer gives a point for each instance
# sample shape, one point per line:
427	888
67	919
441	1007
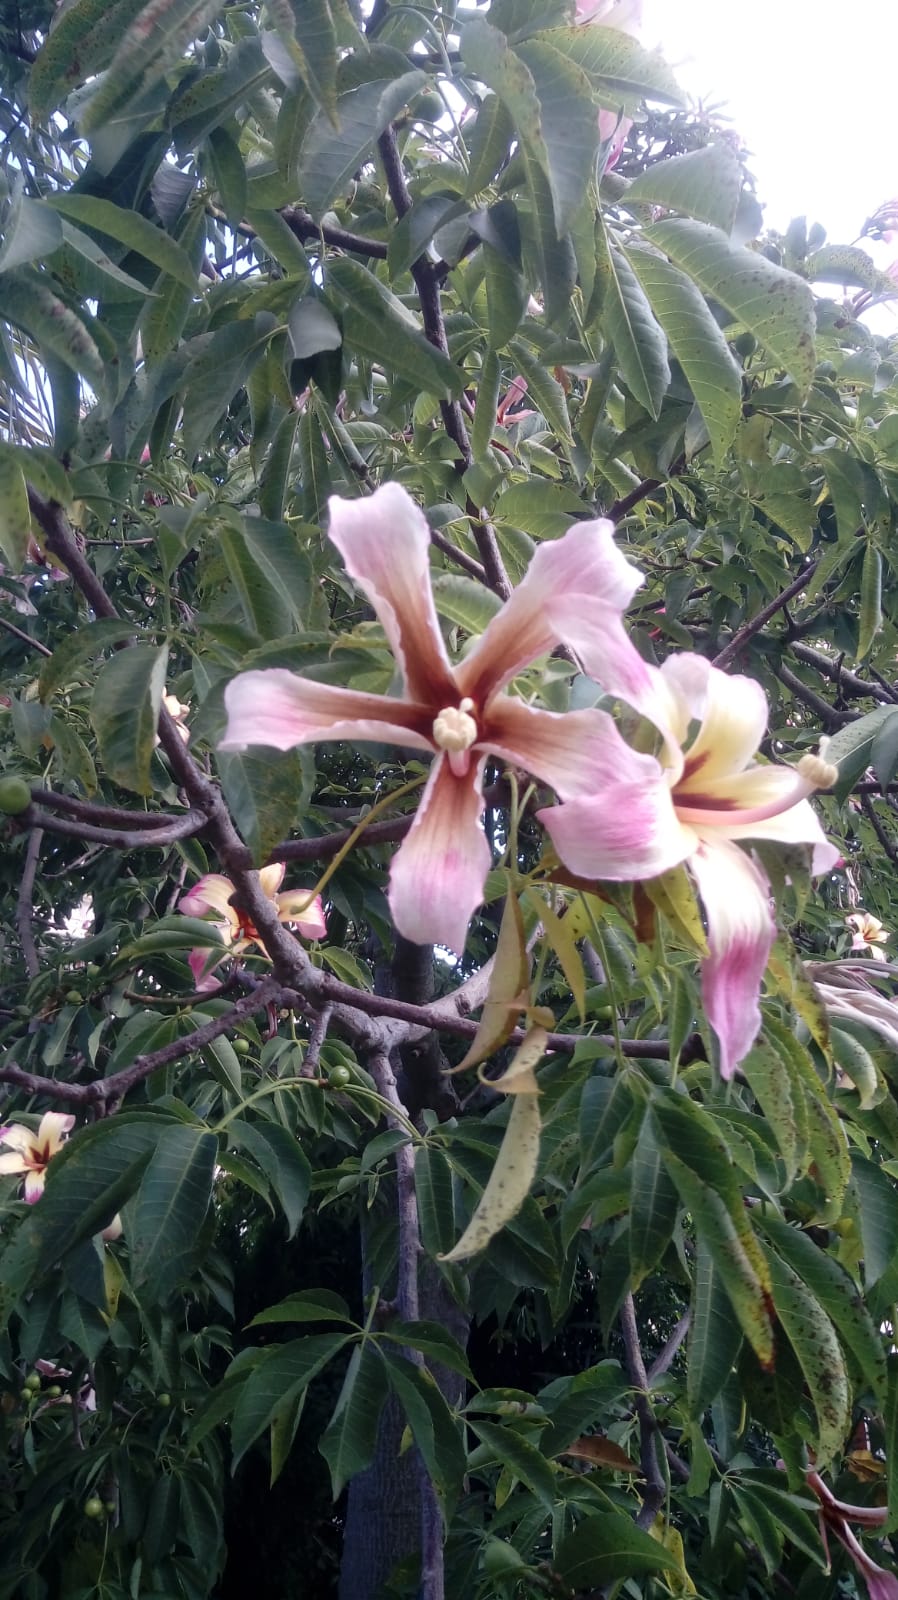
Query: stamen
454	729
815	770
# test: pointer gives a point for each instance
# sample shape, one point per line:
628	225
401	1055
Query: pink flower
835	1516
868	933
32	1153
575	591
709	797
214	893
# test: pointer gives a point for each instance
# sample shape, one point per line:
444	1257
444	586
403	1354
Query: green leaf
620	69
350	1438
81	42
271	573
771	303
436	1203
606	1547
283	1162
308	1305
163	322
870	613
414	232
549	396
280	1375
218	368
31	233
705	184
550	102
131	230
15	517
521	1457
773	1091
715	1336
171	1205
265	794
65	665
464	602
639	344
878	1212
434	1341
839	1296
124	713
378	324
696	340
335	147
813	1338
30	304
653	1205
154	42
434	1429
489	141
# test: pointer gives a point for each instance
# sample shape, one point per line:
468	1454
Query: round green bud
54	1391
428	107
33	1381
74	997
241	1047
94	1507
163	1400
15	796
339	1077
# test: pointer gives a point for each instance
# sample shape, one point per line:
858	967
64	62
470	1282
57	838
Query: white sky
810	86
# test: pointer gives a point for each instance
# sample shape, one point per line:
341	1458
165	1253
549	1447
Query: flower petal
294	906
198	962
385	544
18	1137
574	592
732	711
799	825
741	929
34	1185
629	831
753	795
271	878
212	893
278	708
438	873
577	752
54	1125
12	1163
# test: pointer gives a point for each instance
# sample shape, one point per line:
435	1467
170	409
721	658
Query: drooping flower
575	591
868	933
213	894
849	996
717	798
31	1152
835	1516
626	16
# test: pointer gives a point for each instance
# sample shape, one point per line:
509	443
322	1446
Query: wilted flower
214	893
849	996
574	592
31	1152
835	1516
709	797
868	933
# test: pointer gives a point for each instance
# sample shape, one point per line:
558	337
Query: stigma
455	730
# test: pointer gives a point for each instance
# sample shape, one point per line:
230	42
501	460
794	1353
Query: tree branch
303	226
25	905
116	838
749	629
19	633
655	1480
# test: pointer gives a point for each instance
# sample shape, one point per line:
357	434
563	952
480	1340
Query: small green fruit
15	796
54	1391
110	1506
163	1400
241	1047
74	997
33	1381
94	1507
93	971
428	107
339	1077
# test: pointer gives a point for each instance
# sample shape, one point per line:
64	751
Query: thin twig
663	1360
19	633
887	844
749	629
25	905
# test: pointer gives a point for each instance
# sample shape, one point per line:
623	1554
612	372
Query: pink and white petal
574	592
438	873
753	795
741	930
212	893
54	1125
307	915
628	833
34	1185
199	963
278	708
732	711
799	825
578	752
12	1163
385	544
17	1137
271	878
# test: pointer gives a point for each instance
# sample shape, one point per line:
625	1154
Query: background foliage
252	256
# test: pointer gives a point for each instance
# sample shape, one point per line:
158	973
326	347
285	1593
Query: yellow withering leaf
508	993
601	1453
515	1167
